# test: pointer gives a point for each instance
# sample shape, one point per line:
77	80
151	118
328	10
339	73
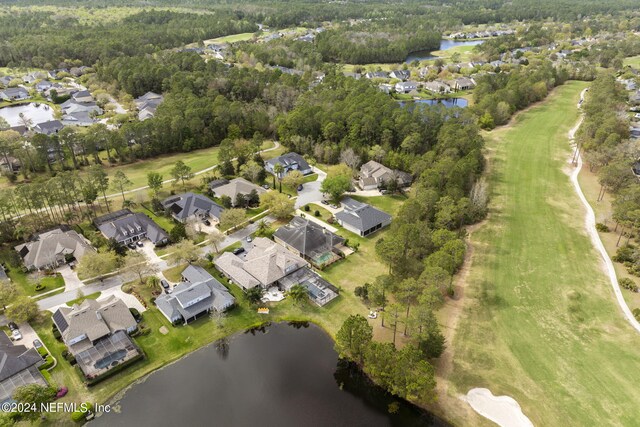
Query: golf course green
540	322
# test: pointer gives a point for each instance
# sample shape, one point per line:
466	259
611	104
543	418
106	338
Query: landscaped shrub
636	313
127	289
601	227
629	284
136	314
69	358
624	254
48	362
56	334
153	300
80	415
316	213
40	286
65	353
307	208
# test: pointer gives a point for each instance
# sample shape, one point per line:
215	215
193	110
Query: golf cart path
590	223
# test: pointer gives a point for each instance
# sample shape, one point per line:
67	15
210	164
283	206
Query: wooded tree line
424	246
378	41
39	39
498	96
604	139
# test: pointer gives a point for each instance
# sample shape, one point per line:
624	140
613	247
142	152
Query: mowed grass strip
541	323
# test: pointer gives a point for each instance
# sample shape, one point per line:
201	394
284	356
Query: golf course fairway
540	322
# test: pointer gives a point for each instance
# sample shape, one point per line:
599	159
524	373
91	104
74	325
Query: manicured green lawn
232	38
633	61
174	274
388	203
540	322
94	295
27	285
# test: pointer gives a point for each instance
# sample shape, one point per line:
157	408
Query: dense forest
388	41
37	39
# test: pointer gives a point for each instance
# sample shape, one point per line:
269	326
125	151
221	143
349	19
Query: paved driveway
311	190
71	281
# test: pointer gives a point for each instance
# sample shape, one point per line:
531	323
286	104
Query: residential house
96	334
53	248
400	74
50	127
82	96
32	77
184	207
307	38
285	70
197	294
437	87
319	290
385	87
376	75
18	367
71	106
80	118
78	71
125	227
361	218
5	80
54	74
147	105
310	241
234	188
264	264
463	83
356	76
406	87
43	85
375	175
14	94
9	163
289	161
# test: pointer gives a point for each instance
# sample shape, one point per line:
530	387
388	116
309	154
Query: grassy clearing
94	295
231	38
540	322
632	61
174	274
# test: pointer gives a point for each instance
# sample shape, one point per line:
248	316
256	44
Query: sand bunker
502	410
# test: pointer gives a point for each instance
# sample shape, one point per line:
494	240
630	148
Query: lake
281	375
39	114
447	102
445	44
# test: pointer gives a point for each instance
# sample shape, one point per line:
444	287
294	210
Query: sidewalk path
590	223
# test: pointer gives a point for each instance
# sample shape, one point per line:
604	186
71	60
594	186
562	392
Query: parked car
324	202
139	243
300	187
266	186
249	239
13	326
166	286
131	245
206	222
37	344
238	251
16	335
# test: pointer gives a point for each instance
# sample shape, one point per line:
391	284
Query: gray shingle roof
16	357
236	186
290	161
199	292
183	206
307	237
361	215
264	264
93	320
48	249
123	224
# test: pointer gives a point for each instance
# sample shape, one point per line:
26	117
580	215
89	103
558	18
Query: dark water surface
447	102
281	376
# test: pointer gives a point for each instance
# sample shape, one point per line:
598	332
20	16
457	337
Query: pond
447	102
284	375
37	113
445	44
